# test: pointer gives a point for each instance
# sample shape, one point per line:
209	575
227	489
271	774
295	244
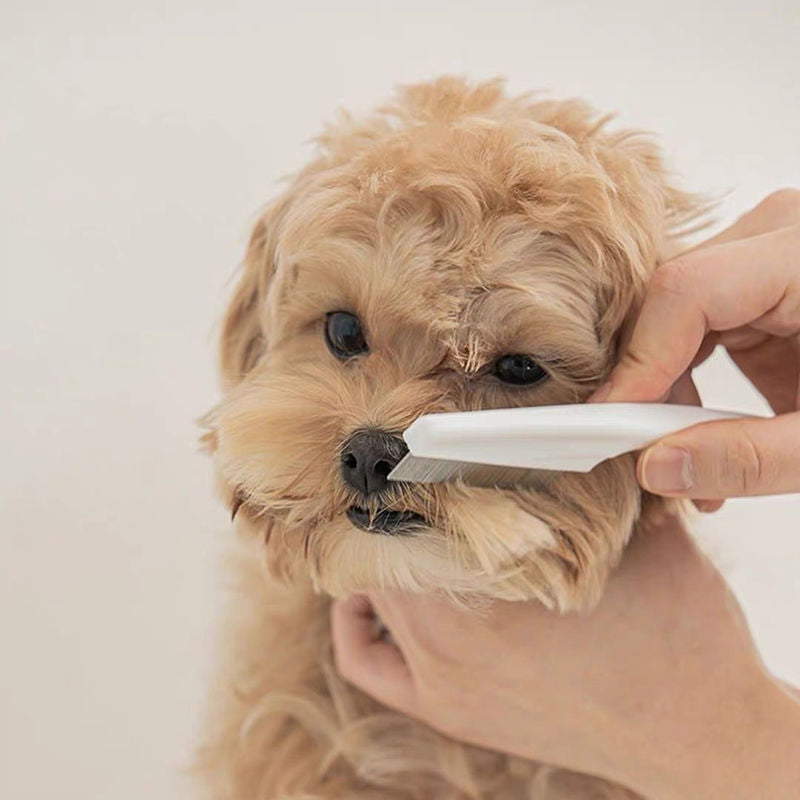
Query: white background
137	141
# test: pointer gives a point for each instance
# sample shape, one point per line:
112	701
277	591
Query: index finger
754	281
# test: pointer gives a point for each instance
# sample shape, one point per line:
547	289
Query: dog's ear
624	211
643	189
655	218
243	336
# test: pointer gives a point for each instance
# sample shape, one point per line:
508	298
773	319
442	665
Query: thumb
366	659
730	458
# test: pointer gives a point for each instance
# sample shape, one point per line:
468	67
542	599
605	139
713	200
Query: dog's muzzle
368	456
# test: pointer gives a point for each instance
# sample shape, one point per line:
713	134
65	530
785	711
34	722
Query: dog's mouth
386	521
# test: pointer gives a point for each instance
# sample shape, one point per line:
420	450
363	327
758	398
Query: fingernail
667	470
708	506
601	394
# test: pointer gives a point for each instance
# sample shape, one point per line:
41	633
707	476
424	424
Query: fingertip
358	606
684	392
601	394
666	470
351	629
708	506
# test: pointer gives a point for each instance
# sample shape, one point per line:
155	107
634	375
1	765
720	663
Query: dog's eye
518	369
344	335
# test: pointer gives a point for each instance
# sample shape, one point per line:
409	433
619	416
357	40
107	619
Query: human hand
741	290
659	689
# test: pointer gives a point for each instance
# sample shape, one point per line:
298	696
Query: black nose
368	457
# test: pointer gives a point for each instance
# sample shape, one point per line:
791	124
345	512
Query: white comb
501	446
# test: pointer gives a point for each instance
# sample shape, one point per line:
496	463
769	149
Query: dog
457	249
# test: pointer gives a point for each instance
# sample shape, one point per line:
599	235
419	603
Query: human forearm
750	749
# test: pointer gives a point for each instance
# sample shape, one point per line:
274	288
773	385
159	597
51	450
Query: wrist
749	746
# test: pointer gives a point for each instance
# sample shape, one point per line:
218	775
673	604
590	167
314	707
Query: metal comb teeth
416	469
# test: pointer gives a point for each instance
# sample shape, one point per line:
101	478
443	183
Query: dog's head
457	250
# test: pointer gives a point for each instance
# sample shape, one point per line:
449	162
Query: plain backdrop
137	142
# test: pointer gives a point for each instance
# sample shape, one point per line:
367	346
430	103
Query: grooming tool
512	446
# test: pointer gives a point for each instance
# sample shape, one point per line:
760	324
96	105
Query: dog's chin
555	546
394	547
386	521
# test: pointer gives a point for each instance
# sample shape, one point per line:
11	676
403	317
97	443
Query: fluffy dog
458	249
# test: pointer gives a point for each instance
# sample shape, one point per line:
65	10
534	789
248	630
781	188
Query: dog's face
458	251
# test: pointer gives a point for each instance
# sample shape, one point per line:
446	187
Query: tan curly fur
459	224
